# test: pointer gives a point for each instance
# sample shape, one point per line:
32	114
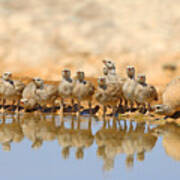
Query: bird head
141	78
7	75
66	73
130	71
38	82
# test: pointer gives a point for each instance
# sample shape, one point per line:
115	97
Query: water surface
44	147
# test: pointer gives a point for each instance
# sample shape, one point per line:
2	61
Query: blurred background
40	37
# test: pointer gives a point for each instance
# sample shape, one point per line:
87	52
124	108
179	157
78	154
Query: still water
49	147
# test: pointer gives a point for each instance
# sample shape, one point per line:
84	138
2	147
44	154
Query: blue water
23	162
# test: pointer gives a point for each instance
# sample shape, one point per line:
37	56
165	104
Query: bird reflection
171	139
10	132
37	129
82	138
78	137
64	136
108	140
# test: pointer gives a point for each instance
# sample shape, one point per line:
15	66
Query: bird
29	91
109	71
129	87
106	95
37	92
144	94
170	98
141	79
29	105
65	88
29	97
110	66
47	94
82	90
10	90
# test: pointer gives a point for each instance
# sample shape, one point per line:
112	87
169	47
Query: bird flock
115	92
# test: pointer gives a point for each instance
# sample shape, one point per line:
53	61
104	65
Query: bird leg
3	104
120	107
104	111
90	107
137	105
114	110
120	102
125	104
131	105
149	107
143	108
72	104
18	106
53	107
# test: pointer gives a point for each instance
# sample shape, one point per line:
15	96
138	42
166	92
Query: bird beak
153	108
22	102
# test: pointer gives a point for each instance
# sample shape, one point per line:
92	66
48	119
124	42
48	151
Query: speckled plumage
171	98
